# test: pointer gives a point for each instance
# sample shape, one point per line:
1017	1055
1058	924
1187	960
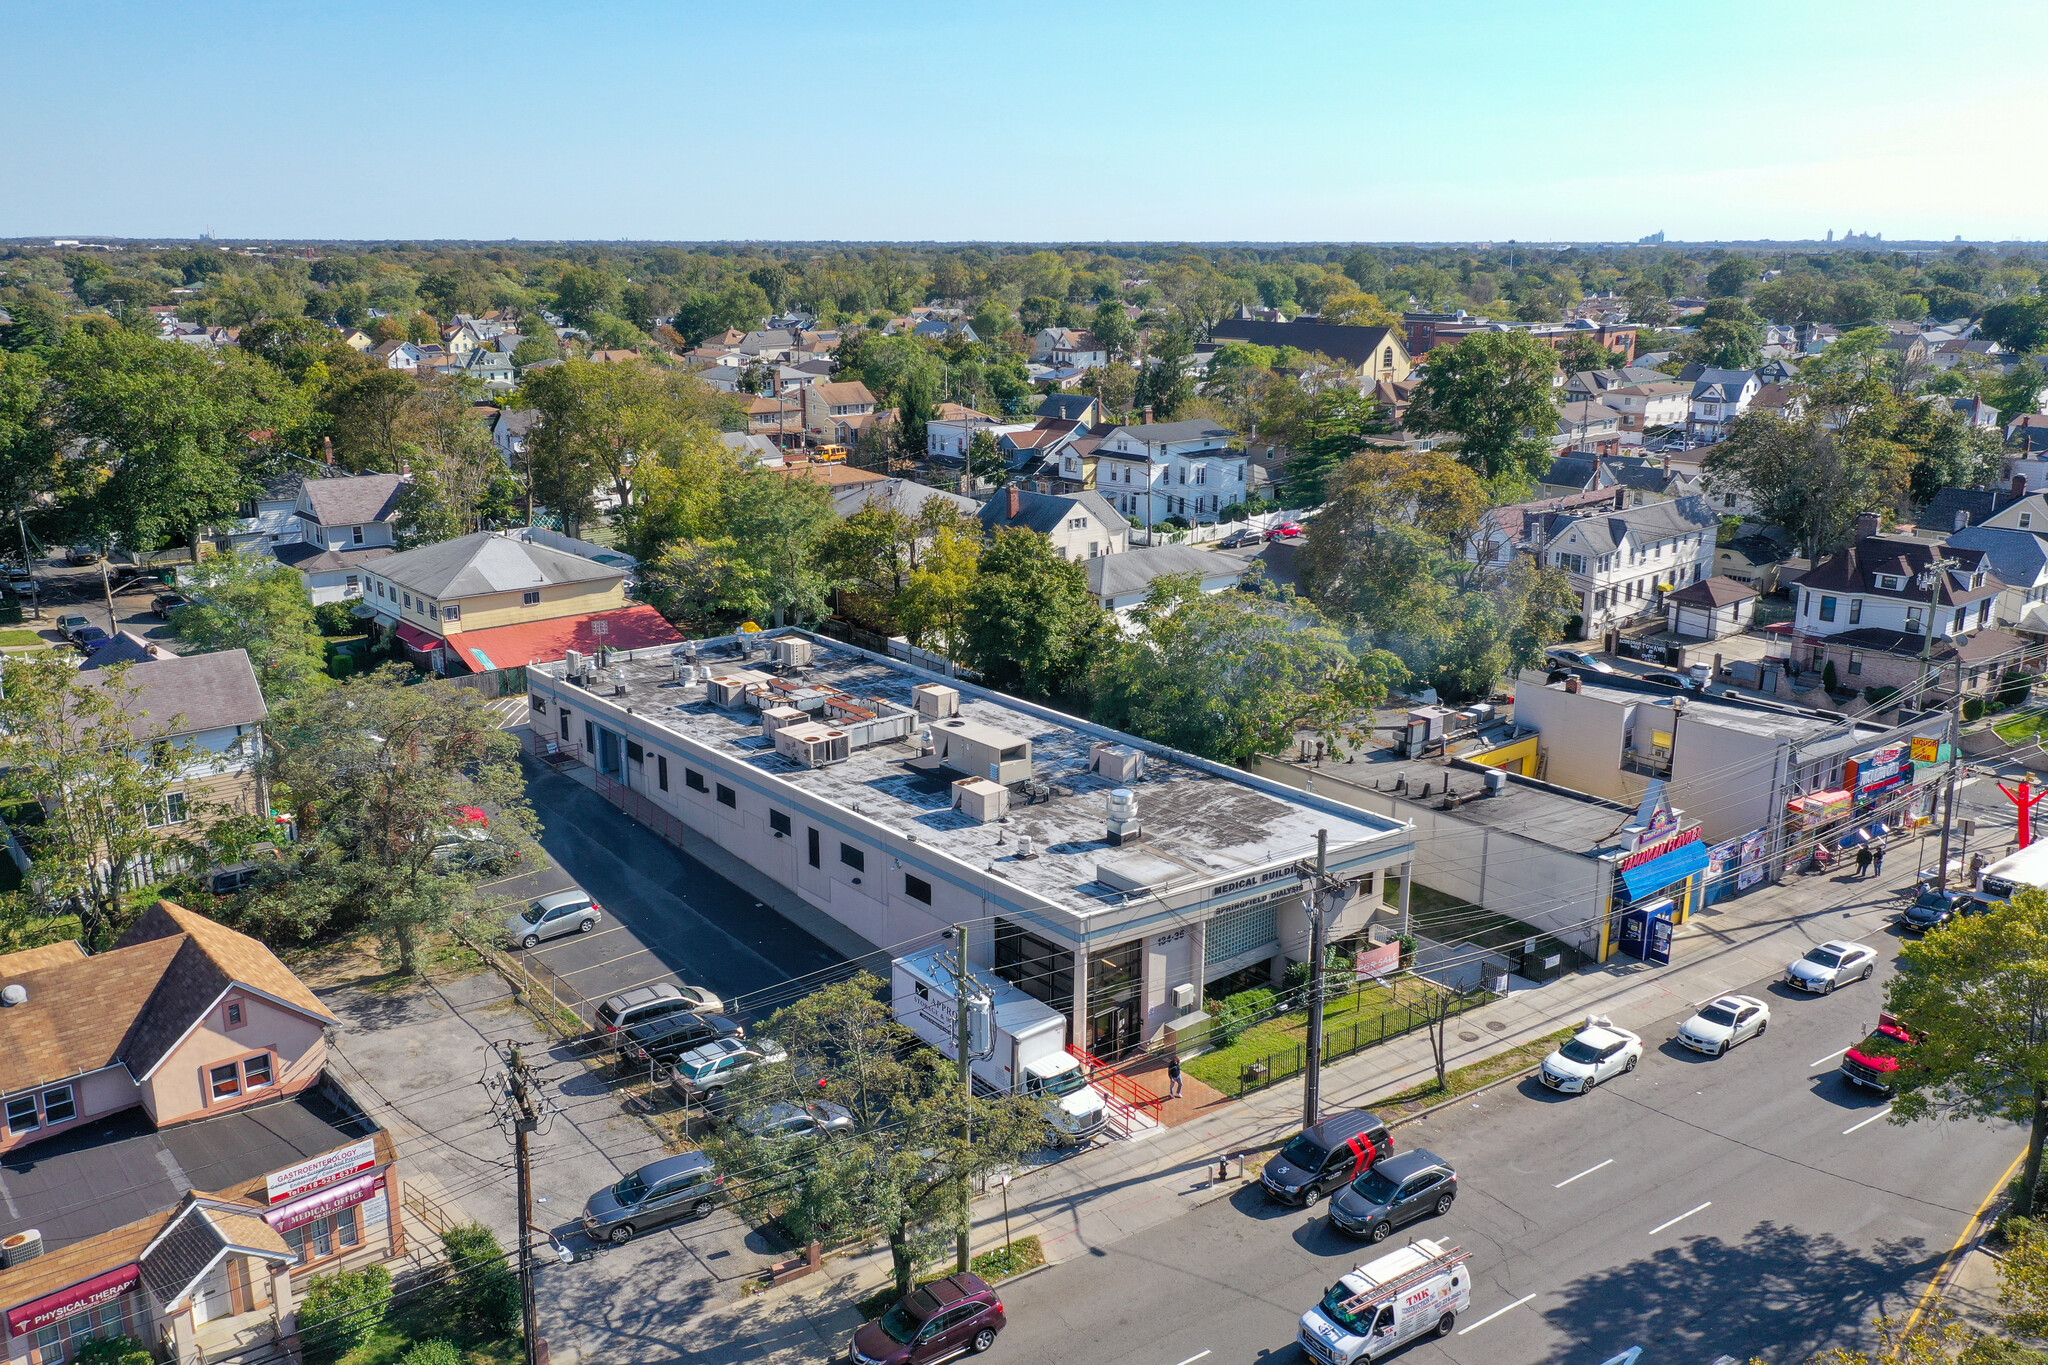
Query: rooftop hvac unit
776	718
792	651
936	700
1117	762
729	689
981	799
20	1247
572	664
1123	816
1496	782
811	744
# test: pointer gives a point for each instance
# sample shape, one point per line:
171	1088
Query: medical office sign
320	1171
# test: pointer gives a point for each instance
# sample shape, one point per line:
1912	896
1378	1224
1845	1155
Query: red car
941	1320
1286	530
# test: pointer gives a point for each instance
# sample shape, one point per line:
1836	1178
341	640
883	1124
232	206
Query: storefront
1658	879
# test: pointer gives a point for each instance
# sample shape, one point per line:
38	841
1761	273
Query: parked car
1931	909
80	555
89	638
645	1004
71	622
954	1316
1398	1190
1286	530
1239	539
1700	675
565	912
783	1121
164	603
1597	1052
1666	680
657	1043
686	1186
1578	658
1322	1158
1730	1020
24	587
1830	965
702	1071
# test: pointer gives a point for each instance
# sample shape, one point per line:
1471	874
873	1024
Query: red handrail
1118	1086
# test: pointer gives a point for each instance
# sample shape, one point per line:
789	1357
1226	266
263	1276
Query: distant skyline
1459	120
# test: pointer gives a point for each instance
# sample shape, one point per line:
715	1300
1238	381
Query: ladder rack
1401	1284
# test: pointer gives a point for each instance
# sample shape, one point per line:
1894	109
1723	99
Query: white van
1382	1306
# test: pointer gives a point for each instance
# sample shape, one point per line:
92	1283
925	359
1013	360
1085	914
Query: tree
341	1310
2018	325
985	459
725	542
1233	675
1974	997
1031	623
483	1289
1731	277
932	607
582	293
369	416
1358	309
1581	352
919	1135
251	602
1112	328
906	375
1340	425
1647	304
1493	392
111	786
1164	384
1730	336
29	435
375	771
598	422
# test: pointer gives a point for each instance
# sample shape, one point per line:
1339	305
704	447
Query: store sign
333	1199
320	1171
37	1314
1879	772
1753	867
1668	862
1927	751
1656	851
1820	808
1381	961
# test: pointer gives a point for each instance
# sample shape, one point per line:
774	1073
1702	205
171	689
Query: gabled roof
1712	592
1604	532
1357	345
1853	571
185	694
1047	512
355	499
2019	558
133	1004
1975	505
1175	433
902	495
847	393
1134	570
480	563
1072	407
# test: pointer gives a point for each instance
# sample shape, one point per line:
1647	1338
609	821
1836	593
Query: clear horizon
1468	121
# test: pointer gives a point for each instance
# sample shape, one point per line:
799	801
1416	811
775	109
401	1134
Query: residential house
488	601
461	339
612	357
1786	401
1371	353
1753	560
1662	403
1078	351
1081	526
1039	449
494	368
1778	371
1078	467
510	429
1588	429
1976	412
1623	561
1589	386
356	339
180	1080
753	447
898	495
1157	470
1710	609
777	418
1646	480
2020	560
1081	408
1521	528
1718	398
1120	582
398	355
831	410
1910	347
1427	331
344	524
948	435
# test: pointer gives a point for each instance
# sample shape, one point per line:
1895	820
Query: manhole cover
1496	1026
1468	1035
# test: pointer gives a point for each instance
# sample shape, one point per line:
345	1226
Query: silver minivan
565	912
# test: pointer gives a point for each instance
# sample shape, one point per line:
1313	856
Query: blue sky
1430	120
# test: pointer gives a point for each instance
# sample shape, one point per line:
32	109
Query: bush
1238	1013
1973	708
1827	677
1878	696
113	1351
336	618
2015	689
341	1310
435	1352
486	1289
1294	985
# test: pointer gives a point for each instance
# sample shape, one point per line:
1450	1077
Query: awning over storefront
40	1313
331	1200
415	638
1668	866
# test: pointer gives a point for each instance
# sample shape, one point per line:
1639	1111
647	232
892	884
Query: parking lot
66	589
667	917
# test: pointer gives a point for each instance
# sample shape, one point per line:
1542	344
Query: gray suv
565	912
686	1186
1399	1190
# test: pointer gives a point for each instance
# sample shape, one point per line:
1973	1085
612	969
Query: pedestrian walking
1862	859
1877	862
1173	1077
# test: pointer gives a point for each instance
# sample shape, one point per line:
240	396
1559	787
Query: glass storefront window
1041	969
60	1341
324	1237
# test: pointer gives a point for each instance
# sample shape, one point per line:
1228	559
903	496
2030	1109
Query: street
1753	1204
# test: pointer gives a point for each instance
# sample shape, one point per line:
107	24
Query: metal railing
1132	1106
1344	1041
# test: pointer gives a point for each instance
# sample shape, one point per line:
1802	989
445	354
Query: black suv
1335	1152
658	1042
1398	1190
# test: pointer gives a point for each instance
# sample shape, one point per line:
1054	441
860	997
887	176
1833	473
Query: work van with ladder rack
1385	1304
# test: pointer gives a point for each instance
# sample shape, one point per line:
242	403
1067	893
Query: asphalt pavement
1750	1205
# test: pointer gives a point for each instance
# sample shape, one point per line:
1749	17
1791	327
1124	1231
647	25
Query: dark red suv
943	1319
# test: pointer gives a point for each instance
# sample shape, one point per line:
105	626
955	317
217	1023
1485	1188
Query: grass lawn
2022	728
996	1264
1375	1012
18	639
1466	1079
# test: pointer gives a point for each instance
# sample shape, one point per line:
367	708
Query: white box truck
1026	1041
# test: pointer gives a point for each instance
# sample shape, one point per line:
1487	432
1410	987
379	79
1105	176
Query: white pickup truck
1385	1304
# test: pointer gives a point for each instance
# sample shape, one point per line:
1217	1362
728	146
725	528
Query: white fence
1215	531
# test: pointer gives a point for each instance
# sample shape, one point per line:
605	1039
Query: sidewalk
1117	1189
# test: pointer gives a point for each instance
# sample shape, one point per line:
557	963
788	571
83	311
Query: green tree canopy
1031	624
1493	392
250	602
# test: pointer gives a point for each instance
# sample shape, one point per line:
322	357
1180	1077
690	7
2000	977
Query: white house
1158	470
947	437
1120	582
343	524
1622	562
1718	398
1080	525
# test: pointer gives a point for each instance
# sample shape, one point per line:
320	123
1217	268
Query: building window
408	600
1961	614
853	857
1094	549
728	797
256	1072
324	1237
61	1341
355	534
2026	520
694	780
1855	662
451	613
1827	608
1041	969
21	1114
433	613
1855	610
1984	612
661	771
225	1081
564	713
232	1014
816	861
917	888
169	811
778	821
529	599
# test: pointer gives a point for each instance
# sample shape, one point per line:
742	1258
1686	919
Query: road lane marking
1192	1359
1872	1119
1934	1284
1582	1174
1680	1219
1829	1058
1494	1314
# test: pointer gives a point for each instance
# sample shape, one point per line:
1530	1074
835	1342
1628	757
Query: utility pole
963	1250
28	563
1931	579
522	1114
1312	1074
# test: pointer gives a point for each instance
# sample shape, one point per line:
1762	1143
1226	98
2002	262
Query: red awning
40	1313
415	638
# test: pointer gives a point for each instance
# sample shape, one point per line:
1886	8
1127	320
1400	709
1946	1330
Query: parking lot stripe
1872	1119
1582	1174
1192	1359
1680	1219
1829	1058
1494	1314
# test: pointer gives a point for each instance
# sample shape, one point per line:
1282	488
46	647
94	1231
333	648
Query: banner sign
320	1171
1753	868
1379	962
1658	850
333	1199
37	1314
1659	866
